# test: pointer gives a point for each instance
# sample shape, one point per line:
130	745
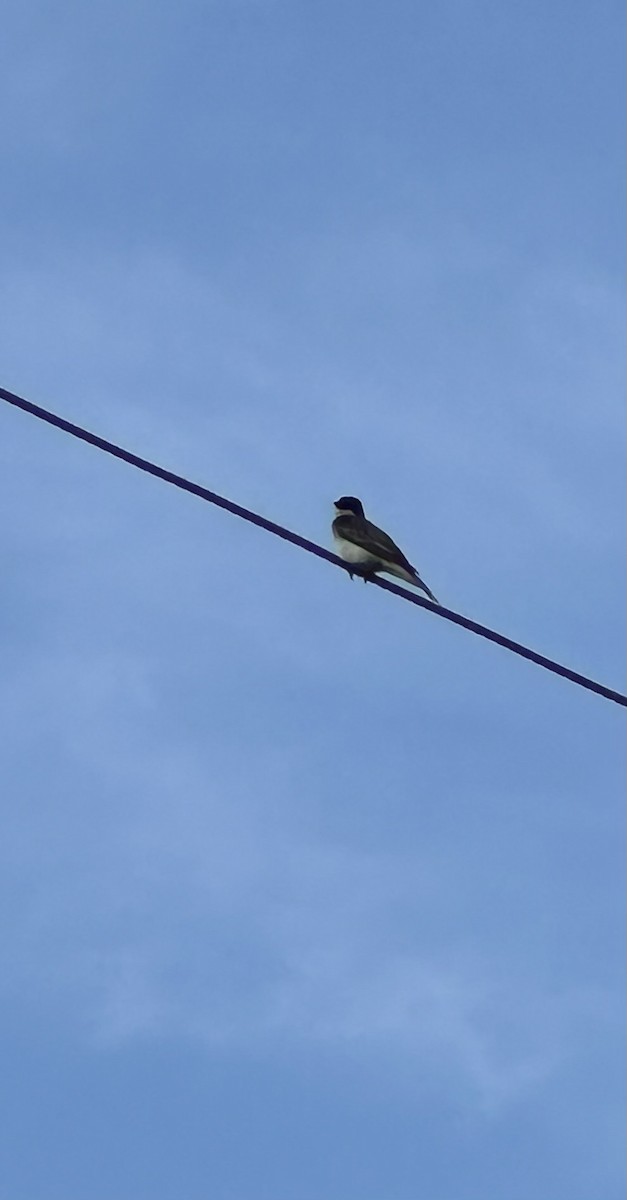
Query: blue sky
307	893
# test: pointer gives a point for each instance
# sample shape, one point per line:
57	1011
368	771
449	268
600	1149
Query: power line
186	485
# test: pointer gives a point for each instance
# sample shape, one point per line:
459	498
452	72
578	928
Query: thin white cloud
190	907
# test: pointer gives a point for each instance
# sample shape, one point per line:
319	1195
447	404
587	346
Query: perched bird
369	549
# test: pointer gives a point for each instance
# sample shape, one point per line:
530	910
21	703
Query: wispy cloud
190	907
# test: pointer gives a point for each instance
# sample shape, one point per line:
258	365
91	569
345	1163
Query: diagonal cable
144	464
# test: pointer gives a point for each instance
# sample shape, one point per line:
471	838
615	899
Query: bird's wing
363	533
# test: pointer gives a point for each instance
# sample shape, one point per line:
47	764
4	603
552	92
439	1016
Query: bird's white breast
352	553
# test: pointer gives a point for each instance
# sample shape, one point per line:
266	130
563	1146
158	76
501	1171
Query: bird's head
349	504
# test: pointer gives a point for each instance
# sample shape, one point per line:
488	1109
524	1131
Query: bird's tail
410	575
419	583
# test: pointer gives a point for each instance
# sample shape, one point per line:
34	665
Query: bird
369	549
